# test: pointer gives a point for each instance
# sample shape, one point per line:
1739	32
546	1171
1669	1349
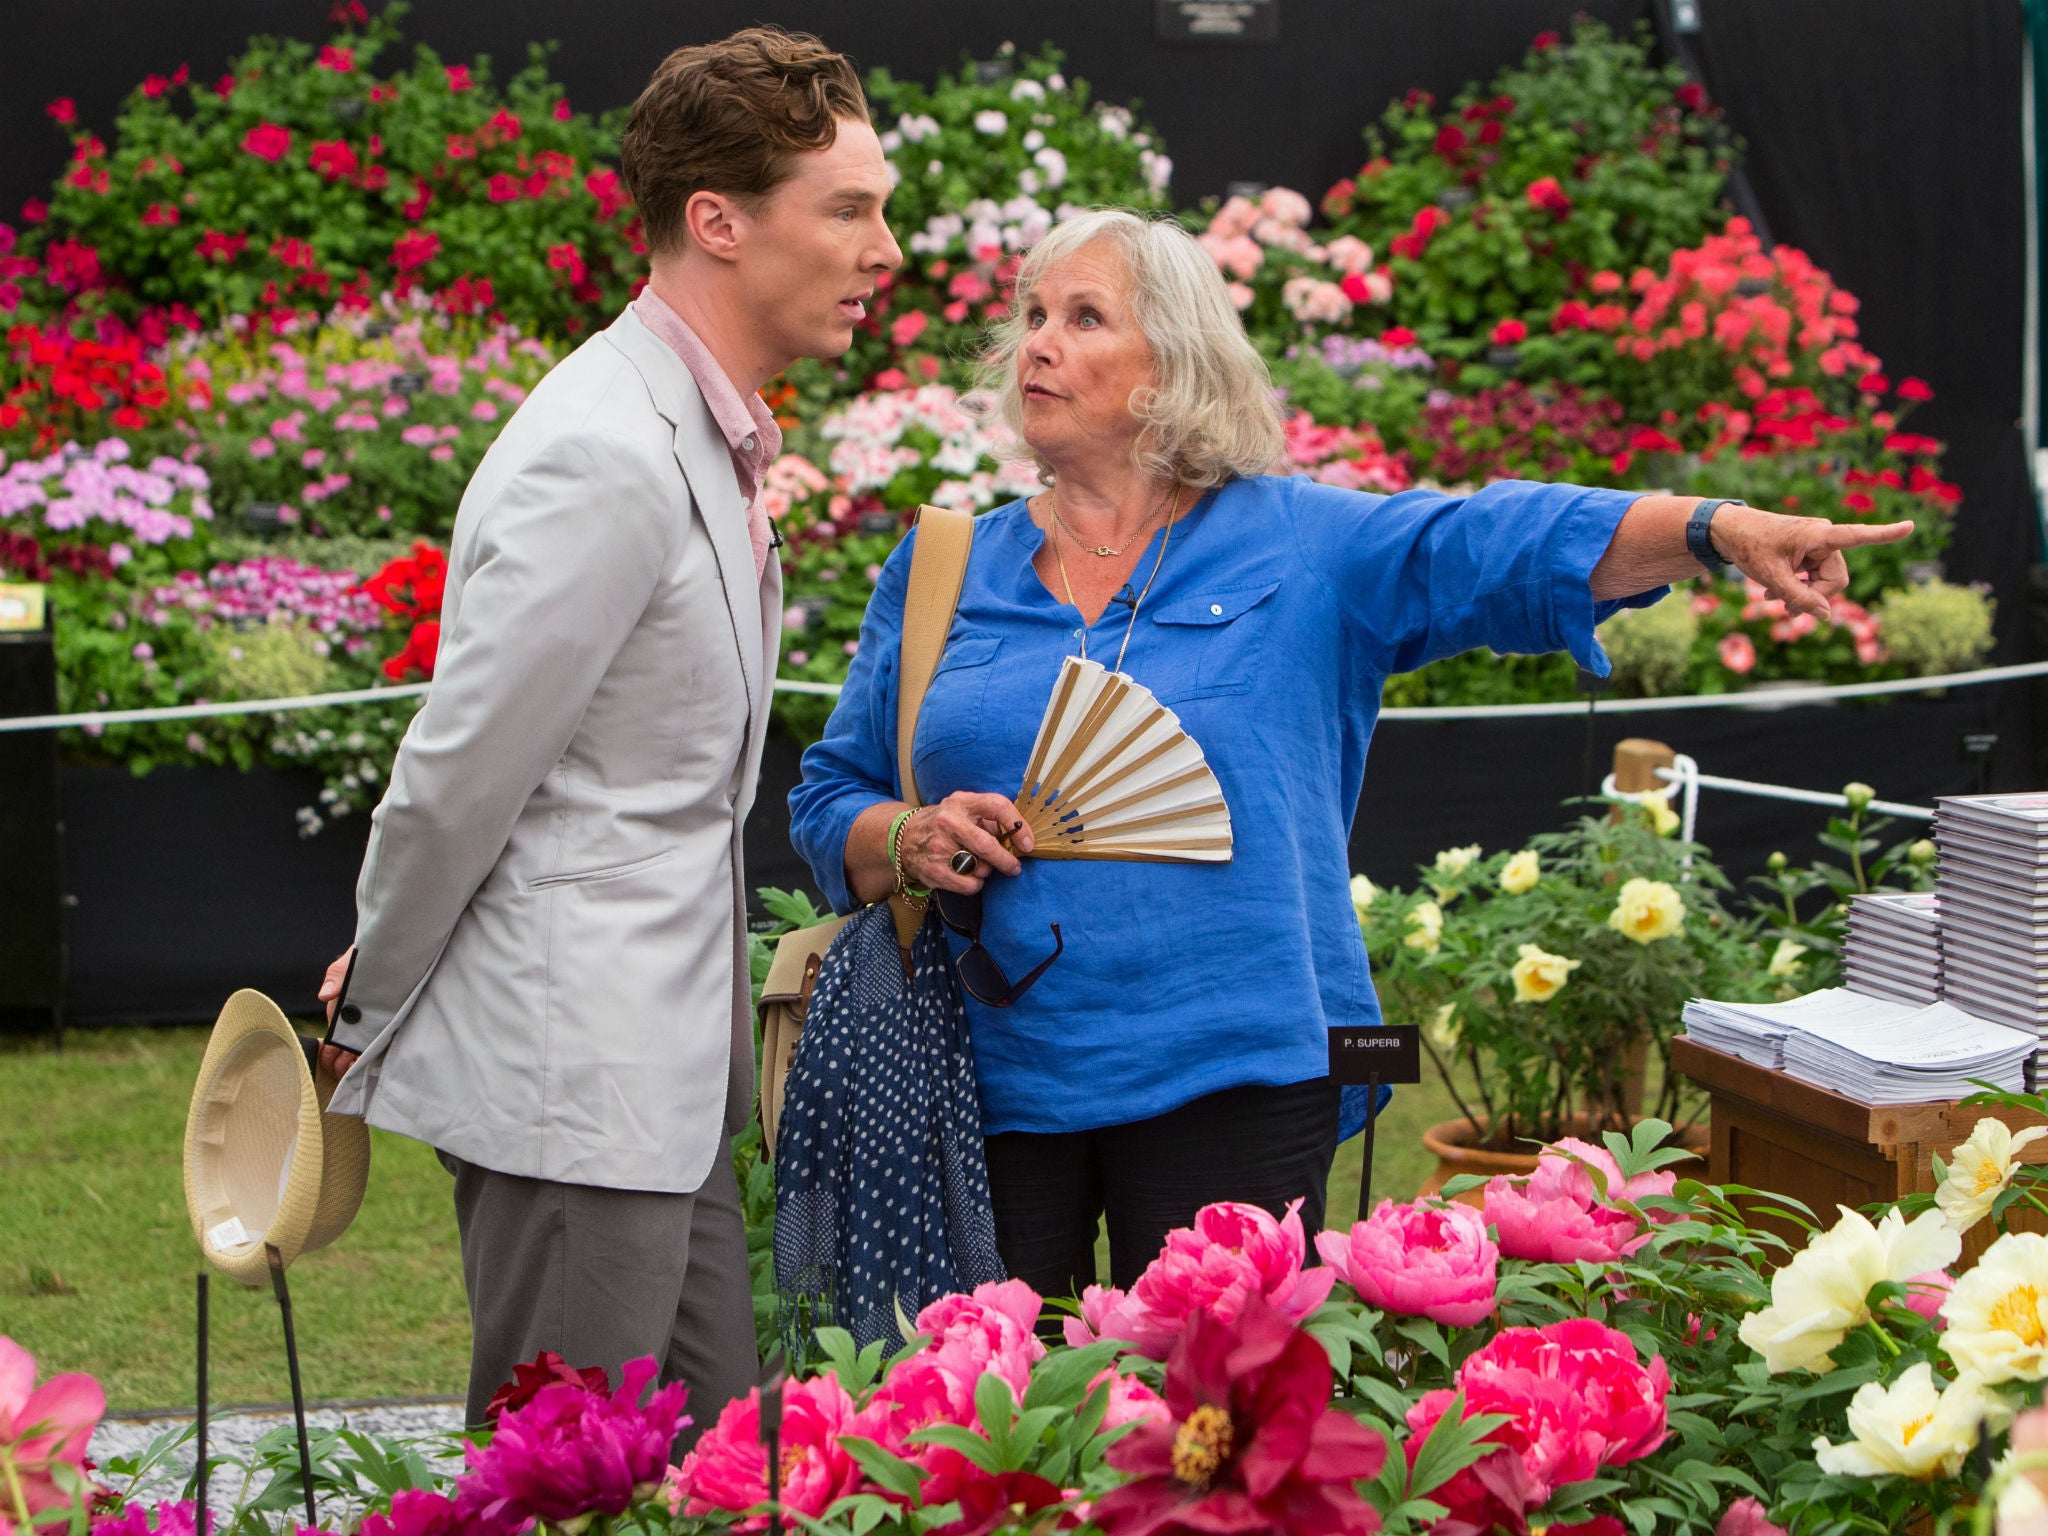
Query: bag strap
938	568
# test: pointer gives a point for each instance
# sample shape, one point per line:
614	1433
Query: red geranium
1508	333
421	647
341	60
63	109
458	78
217	247
1545	194
268	141
412	585
332	159
1253	1443
414	248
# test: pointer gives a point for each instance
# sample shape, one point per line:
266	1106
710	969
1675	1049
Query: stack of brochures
1893	946
1993	885
1870	1049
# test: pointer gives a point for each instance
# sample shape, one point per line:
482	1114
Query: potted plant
1545	978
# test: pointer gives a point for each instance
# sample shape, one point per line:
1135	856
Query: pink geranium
572	1451
728	1471
1233	1252
42	1428
1560	1214
1576	1396
1427	1259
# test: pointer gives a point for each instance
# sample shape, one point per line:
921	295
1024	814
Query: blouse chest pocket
1219	636
951	714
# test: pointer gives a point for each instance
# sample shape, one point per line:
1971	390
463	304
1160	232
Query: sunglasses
979	973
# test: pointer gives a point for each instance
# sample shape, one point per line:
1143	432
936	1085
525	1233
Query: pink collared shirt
747	424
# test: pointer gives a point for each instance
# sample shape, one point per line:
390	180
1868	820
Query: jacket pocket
609	872
1220	634
951	715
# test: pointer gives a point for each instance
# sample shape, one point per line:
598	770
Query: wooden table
1773	1132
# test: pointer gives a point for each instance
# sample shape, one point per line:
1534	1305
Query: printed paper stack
1993	885
1893	946
1869	1049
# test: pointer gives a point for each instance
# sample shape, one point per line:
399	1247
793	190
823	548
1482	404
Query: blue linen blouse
1281	607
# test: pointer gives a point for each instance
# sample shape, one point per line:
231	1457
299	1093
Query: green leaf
958	1437
1061	1379
890	1473
1454	1442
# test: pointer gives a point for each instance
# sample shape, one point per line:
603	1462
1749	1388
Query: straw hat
264	1163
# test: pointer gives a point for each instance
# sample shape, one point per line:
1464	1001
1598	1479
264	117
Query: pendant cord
1173	513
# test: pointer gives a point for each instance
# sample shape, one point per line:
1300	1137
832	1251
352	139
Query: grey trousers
603	1276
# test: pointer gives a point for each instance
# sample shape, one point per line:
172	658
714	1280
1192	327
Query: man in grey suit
549	979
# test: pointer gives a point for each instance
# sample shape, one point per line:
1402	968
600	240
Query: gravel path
232	1435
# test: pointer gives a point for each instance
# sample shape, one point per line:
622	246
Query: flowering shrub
302	178
99	496
1519	433
1583	158
1538	972
1353	380
985	161
1286	282
63	388
1351	457
361	426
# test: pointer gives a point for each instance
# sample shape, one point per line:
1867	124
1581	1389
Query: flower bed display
319	288
1597	1348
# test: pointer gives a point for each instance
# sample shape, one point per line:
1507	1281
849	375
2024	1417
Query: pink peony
41	1427
1130	1400
182	1519
572	1451
1925	1294
1559	1215
1430	1260
728	1471
417	1512
1746	1517
989	1331
1231	1253
1576	1396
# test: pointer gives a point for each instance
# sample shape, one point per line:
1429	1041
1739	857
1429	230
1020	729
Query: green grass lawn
97	1257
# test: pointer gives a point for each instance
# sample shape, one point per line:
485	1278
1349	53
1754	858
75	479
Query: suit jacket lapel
706	463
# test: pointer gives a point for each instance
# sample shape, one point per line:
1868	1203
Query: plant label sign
1217	21
21	606
1385	1053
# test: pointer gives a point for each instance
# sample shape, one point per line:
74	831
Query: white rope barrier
1776	698
1684	778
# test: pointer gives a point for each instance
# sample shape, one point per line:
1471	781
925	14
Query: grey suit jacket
551	976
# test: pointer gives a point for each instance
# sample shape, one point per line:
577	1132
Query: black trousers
1257	1145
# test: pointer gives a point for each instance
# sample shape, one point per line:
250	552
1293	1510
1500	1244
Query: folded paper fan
1113	776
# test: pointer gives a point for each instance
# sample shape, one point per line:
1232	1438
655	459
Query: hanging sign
1217	21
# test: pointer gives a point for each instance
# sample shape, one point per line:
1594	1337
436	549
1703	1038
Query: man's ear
712	220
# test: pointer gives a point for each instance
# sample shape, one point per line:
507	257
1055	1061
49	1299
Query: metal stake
1372	1120
291	1355
771	1435
200	1383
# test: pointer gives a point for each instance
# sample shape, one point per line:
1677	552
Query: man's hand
1797	559
333	1059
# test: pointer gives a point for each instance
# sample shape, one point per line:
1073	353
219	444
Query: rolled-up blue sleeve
854	765
1423	575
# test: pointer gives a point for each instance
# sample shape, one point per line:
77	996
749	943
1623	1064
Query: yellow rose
1649	910
1427	919
1912	1428
1540	976
1998	1312
1520	873
1980	1171
1362	893
1785	958
1820	1296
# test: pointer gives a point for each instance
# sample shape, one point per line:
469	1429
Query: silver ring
964	862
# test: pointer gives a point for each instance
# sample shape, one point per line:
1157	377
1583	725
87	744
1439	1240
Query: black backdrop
1884	140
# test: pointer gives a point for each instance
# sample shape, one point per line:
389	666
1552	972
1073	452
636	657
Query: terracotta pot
1451	1141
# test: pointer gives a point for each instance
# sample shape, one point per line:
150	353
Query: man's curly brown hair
731	117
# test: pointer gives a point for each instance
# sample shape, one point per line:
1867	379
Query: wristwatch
1698	532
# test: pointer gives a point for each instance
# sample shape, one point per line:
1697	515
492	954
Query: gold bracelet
904	888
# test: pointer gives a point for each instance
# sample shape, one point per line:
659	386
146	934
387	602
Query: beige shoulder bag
938	566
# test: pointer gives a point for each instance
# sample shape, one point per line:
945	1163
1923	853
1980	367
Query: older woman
1175	1052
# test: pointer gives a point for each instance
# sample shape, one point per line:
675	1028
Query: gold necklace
1173	512
1052	499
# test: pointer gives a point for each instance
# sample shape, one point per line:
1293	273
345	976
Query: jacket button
349	1013
1216	609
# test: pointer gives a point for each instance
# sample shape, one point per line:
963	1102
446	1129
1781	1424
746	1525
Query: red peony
728	1471
268	141
1252	1444
546	1368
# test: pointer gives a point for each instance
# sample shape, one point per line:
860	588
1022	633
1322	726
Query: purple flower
571	1452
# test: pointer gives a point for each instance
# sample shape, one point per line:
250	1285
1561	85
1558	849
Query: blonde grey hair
1210	414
